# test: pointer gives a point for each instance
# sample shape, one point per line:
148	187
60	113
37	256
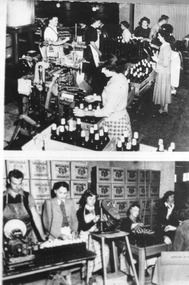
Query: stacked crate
126	186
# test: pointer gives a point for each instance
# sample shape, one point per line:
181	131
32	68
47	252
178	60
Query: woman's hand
169	228
95	220
90	99
79	113
64	237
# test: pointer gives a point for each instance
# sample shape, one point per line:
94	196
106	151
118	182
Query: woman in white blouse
114	100
126	34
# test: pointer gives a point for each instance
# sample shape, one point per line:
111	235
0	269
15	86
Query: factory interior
171	127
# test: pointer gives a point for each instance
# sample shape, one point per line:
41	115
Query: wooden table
34	269
142	253
112	237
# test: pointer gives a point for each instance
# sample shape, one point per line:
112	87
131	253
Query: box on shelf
60	170
118	191
131	175
143	190
122	206
104	190
39	169
143	176
155	176
78	188
154	190
40	189
117	175
101	174
131	190
79	171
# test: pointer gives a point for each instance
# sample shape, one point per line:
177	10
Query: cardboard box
104	190
78	188
143	191
101	174
131	175
40	189
154	190
155	176
122	206
143	176
79	171
131	190
117	175
118	191
26	185
145	207
21	165
39	169
60	170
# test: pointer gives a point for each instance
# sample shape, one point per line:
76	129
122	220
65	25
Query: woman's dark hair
134	204
113	63
57	185
166	32
166	195
83	199
163	17
125	24
144	19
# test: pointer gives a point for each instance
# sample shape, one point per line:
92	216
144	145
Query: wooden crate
60	170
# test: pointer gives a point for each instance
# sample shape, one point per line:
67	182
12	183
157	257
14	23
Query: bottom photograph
95	222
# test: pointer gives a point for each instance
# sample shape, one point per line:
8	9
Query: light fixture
58	5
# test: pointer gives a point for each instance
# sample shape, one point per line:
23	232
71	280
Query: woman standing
88	218
162	88
167	217
114	100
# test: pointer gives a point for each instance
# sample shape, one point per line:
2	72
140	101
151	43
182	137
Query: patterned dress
162	88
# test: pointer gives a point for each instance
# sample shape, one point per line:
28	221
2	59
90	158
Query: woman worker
114	100
143	31
162	88
88	217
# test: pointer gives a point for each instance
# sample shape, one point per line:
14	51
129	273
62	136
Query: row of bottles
138	72
124	144
89	107
161	147
94	139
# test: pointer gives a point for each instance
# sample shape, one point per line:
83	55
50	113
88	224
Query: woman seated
114	100
88	218
126	34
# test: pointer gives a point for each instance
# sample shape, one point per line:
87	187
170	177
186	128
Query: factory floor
171	128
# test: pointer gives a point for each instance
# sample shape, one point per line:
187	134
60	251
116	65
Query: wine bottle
96	142
136	136
123	143
101	139
106	136
53	132
119	146
90	143
71	135
82	139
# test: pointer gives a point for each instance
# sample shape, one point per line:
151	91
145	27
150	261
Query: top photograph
96	76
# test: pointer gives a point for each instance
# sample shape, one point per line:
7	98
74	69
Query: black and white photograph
94	117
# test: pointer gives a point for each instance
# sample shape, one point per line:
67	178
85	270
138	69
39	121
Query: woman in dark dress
143	31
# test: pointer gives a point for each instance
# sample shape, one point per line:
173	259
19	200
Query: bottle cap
134	142
128	146
161	147
90	107
106	129
101	132
125	134
81	106
95	127
135	135
63	121
83	133
54	126
119	143
172	145
160	141
91	130
122	139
